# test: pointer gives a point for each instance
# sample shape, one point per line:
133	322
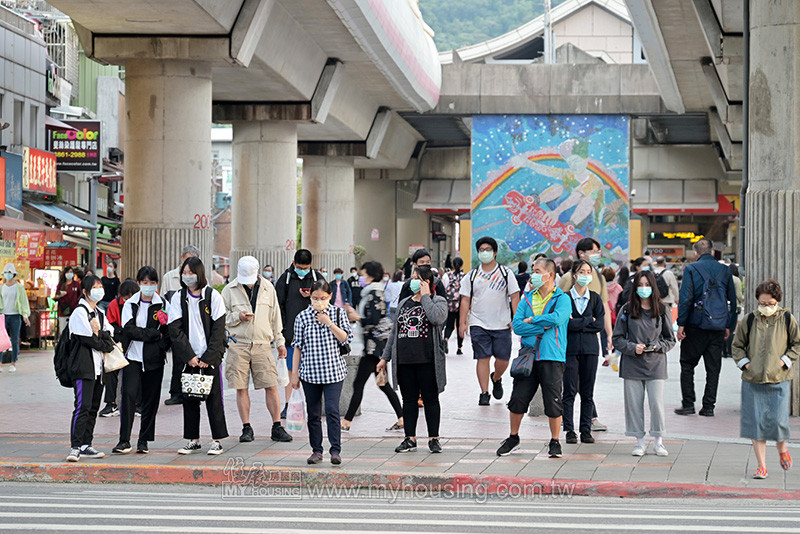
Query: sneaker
283	412
497	387
509	445
247	435
408	445
597	426
586	437
175	399
572	437
137	411
459	352
280	434
336	458
397	427
12	368
123	447
110	410
74	455
554	449
638	451
215	448
315	458
483	400
189	448
786	460
434	445
660	450
92	453
761	473
142	447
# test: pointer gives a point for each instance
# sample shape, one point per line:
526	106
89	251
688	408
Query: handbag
522	366
196	385
344	348
114	360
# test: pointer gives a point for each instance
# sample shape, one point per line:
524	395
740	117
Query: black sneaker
508	446
497	387
434	445
483	400
123	447
408	445
458	352
247	434
175	399
280	434
572	437
138	410
92	453
554	449
142	447
283	412
586	437
110	410
190	447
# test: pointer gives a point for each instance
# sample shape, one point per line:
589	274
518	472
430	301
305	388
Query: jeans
13	327
314	393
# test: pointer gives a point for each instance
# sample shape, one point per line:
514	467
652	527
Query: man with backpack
706	317
489	298
666	282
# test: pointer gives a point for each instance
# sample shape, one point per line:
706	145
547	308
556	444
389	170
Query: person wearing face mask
541	320
127	289
145	340
269	274
16	310
294	296
68	293
90	336
391	292
355	286
643	335
586	321
421	258
111	284
766	346
489	298
319	333
342	294
197	331
415	345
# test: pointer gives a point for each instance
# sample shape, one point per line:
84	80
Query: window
16	125
33	140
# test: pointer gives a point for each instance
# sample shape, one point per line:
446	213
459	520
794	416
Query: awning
84	243
447	196
62	215
14	225
55	123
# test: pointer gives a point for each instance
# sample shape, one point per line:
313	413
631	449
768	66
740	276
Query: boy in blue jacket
541	319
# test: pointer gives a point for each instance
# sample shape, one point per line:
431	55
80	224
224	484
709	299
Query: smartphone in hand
305	292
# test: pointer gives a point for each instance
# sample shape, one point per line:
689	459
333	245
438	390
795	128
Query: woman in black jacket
583	349
90	337
145	340
199	348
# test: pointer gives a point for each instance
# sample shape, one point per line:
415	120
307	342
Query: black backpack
663	288
63	352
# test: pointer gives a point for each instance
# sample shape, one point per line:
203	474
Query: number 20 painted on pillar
202	222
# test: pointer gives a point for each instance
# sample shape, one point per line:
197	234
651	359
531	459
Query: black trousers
579	376
88	395
139	386
367	366
175	377
314	394
453	322
214	407
417	379
706	344
112	381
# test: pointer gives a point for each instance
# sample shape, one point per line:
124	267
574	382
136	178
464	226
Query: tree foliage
460	23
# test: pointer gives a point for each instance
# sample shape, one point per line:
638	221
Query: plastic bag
283	373
5	341
296	412
614	360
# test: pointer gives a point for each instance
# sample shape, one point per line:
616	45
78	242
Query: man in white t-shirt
489	298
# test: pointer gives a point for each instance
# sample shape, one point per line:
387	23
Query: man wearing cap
14	306
253	320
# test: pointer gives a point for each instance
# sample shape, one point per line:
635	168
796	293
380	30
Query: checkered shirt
320	360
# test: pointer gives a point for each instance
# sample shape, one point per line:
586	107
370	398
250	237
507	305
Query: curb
255	476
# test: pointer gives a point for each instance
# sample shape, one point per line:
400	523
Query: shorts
488	343
550	376
244	360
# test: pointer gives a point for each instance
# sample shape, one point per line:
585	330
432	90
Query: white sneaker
92	453
638	451
597	426
74	455
12	368
189	448
660	450
215	449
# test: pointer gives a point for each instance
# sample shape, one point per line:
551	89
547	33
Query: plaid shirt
320	361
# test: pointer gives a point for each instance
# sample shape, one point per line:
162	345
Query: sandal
761	473
786	460
395	427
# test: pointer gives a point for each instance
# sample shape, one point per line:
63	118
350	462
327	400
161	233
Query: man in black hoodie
421	257
294	295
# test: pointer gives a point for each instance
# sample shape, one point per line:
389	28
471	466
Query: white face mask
97	294
768	311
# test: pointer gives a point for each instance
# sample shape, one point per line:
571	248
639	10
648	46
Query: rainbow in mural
541	183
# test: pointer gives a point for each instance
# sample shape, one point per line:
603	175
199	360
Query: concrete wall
676	162
598	32
375	208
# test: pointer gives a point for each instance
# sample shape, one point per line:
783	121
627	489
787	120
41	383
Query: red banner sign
30	246
60	257
38	171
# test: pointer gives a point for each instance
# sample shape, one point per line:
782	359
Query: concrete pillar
328	211
264	201
167	163
773	199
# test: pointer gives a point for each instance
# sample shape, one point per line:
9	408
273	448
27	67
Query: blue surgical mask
69	276
97	294
338	276
646	268
324	274
302	273
644	292
415	286
267	274
595	259
148	291
536	281
584	279
8	276
486	256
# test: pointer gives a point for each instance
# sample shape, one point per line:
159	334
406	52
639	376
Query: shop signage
2	183
8	249
30	246
376	235
38	171
413	248
13	180
78	149
60	257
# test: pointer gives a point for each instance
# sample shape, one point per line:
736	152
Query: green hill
460	23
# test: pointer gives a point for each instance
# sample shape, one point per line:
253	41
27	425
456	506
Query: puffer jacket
767	347
266	326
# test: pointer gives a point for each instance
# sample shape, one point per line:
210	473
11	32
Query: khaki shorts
242	361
